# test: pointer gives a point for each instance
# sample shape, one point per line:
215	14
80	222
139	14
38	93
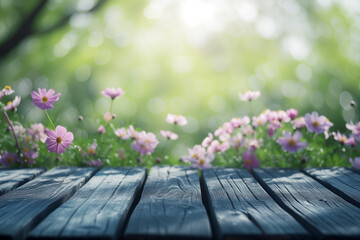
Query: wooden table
179	203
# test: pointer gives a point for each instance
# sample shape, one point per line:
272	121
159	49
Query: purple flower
249	95
122	133
291	143
250	160
260	120
7	90
94	163
292	113
112	92
1	94
145	143
176	119
316	123
14	104
355	128
254	144
43	99
9	158
37	132
355	162
29	156
169	135
351	141
59	139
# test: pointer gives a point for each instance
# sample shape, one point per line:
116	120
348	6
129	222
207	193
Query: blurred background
189	57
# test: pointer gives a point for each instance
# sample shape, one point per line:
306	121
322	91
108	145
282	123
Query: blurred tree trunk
26	29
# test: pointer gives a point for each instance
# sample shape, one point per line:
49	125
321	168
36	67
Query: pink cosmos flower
1	94
339	137
176	119
316	123
19	130
283	116
37	132
260	120
227	127
145	143
299	122
254	144
94	163
13	105
92	148
112	92
195	154
237	141
7	90
43	99
350	141
101	129
59	139
9	158
219	131
249	95
216	146
108	117
355	128
122	133
250	160
291	143
238	122
225	137
292	113
204	161
248	130
272	127
271	115
207	140
132	132
355	162
169	135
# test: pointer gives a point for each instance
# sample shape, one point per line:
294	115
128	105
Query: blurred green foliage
189	57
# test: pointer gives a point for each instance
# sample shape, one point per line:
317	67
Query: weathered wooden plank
24	207
341	181
240	208
13	178
98	210
322	212
170	207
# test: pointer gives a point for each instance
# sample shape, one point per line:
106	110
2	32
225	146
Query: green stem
51	122
12	130
111	104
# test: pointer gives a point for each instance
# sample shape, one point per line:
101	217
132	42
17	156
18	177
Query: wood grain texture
240	208
341	181
24	207
321	211
170	207
98	210
13	178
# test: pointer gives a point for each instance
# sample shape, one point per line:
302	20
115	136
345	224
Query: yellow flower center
342	139
25	150
201	162
292	142
7	87
259	122
58	140
315	123
44	99
9	103
147	141
91	151
195	155
247	162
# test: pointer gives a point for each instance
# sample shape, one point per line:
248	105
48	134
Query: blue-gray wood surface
322	212
24	207
341	181
170	207
13	178
98	210
240	208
